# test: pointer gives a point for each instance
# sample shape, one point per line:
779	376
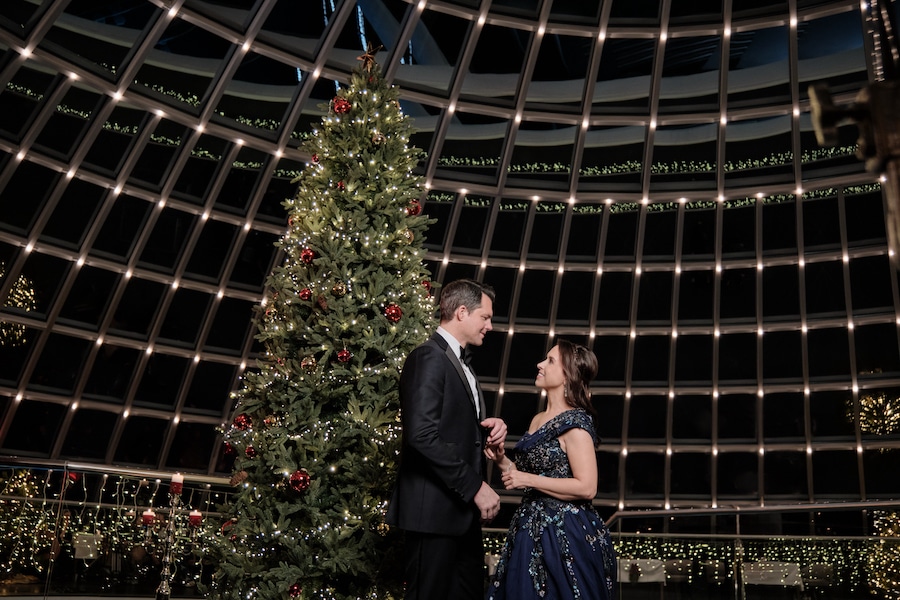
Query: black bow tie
465	356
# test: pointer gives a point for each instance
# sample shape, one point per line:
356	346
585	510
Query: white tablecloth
772	573
648	570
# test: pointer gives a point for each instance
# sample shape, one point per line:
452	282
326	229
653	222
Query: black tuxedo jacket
442	463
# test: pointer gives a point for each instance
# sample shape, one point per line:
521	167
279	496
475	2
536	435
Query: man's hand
497	433
488	502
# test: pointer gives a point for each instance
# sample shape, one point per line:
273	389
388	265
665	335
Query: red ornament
243	422
300	481
341	106
73	477
393	313
315	158
344	355
250	452
295	590
307	255
228	525
305	294
229	450
341	186
414	208
427	285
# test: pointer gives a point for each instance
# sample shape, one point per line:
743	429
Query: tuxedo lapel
454	360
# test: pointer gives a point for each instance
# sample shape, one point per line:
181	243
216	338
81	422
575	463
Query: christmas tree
316	431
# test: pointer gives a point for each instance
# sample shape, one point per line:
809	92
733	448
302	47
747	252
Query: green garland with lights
676	167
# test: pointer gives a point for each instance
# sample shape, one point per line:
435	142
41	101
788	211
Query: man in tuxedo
441	498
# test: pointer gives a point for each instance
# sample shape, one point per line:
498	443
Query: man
441	498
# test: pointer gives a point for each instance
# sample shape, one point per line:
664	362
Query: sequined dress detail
555	550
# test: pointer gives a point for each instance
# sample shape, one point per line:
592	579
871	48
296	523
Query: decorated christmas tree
316	431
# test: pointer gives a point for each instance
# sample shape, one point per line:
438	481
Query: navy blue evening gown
555	550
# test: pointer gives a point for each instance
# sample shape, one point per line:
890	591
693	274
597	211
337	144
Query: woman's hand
498	455
495	452
514	479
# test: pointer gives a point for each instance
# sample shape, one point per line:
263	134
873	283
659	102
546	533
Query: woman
558	546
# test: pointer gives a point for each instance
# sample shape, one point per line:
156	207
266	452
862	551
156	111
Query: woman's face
550	371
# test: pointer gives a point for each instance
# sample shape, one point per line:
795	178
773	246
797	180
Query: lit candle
177	483
195	517
148	516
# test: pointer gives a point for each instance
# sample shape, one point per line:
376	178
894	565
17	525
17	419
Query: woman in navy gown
558	547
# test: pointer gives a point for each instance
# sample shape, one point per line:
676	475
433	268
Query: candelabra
164	591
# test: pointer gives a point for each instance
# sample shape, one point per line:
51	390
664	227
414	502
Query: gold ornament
308	363
408	236
238	477
368	57
339	289
378	139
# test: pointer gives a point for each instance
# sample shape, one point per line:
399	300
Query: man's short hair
463	292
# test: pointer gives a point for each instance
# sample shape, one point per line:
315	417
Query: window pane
651	358
737	418
695	296
615	296
737	356
692	418
829	353
737	474
89	434
647	418
611	351
781	292
828	462
738	294
34	427
659	233
509	229
693	358
785	474
575	292
161	380
783	417
190	449
655	297
644	475
824	288
59	366
139	444
782	355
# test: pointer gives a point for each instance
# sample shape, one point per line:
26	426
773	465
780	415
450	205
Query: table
767	572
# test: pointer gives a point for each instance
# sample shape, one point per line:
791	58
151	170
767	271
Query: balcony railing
78	529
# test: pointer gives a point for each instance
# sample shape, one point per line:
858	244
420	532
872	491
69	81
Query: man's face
476	322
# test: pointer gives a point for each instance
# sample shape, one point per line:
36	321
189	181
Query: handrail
738	509
14	461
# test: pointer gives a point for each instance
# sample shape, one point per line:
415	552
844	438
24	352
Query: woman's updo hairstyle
580	367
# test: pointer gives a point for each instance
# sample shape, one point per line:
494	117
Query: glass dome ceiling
639	176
